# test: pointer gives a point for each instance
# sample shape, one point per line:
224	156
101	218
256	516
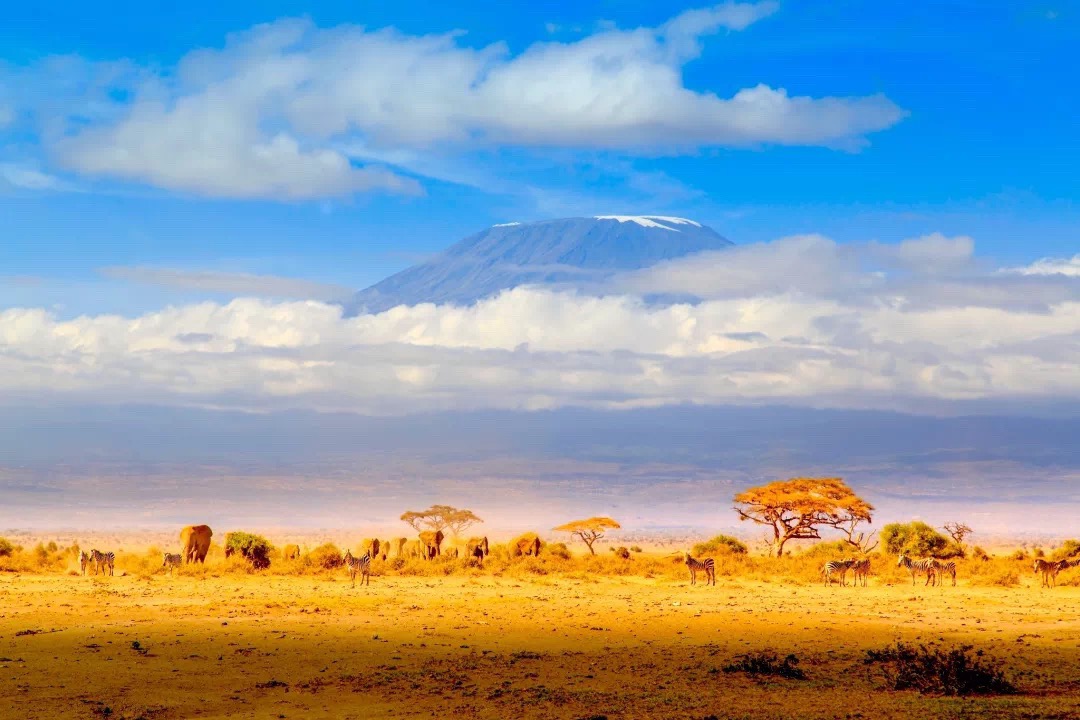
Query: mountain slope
571	251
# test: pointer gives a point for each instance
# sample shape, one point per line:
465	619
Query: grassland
548	637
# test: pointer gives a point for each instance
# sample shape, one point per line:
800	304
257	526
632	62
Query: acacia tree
796	509
853	536
440	517
958	531
590	530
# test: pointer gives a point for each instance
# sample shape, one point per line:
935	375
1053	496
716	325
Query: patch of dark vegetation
767	662
31	631
271	684
524	655
940	671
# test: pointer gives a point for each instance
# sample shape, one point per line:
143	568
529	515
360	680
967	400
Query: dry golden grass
548	637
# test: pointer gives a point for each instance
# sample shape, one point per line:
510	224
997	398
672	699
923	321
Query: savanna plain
561	635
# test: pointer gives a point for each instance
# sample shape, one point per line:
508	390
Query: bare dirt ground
249	646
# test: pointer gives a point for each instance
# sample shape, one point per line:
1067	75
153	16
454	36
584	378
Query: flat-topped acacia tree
796	509
440	517
590	530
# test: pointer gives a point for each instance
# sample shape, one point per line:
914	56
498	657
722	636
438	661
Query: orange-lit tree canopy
440	517
589	530
795	509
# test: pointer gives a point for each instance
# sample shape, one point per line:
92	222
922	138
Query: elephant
527	544
371	547
399	546
291	552
413	549
477	547
431	543
195	543
384	550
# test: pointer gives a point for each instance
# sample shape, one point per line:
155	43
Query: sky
188	192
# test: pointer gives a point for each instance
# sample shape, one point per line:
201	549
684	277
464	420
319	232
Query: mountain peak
569	252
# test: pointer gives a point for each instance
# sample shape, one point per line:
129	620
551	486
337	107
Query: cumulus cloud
799	321
274	112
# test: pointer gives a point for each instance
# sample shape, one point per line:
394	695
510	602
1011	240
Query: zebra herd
860	567
97	560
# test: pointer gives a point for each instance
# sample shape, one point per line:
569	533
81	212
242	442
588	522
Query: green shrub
720	544
254	548
635	548
1020	554
930	670
979	554
6	548
916	539
767	662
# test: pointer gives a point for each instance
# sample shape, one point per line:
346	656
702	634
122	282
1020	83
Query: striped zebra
100	560
84	560
943	568
836	568
171	561
356	565
918	566
860	568
707	565
1049	570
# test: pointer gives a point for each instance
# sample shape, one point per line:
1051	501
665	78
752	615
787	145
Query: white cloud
1069	267
269	115
797	321
26	177
228	283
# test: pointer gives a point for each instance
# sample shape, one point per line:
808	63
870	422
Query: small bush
767	662
6	548
720	544
914	538
978	553
955	671
559	550
1020	554
1068	550
635	548
254	548
325	557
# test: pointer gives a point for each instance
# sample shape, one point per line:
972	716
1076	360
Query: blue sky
186	193
985	145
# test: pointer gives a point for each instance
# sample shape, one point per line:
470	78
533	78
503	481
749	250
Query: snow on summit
656	221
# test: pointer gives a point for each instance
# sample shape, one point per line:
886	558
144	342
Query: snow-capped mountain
572	251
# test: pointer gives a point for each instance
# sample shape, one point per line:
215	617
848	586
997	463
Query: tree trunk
589	543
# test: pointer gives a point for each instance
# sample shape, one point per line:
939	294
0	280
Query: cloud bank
800	320
288	110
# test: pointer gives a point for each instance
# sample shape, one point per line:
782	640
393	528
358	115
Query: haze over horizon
323	265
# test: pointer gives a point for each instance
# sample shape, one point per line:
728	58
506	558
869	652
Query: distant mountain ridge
569	251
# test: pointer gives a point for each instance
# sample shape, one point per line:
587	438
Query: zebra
360	565
84	560
171	561
1049	570
836	567
943	568
918	566
101	560
861	569
707	565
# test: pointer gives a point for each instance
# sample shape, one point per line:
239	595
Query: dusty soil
241	646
